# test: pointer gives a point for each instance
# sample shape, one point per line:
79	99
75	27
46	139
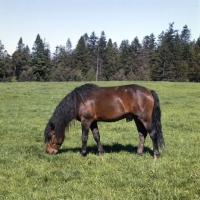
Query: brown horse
90	104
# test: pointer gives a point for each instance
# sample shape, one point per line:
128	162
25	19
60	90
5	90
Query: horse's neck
66	111
69	117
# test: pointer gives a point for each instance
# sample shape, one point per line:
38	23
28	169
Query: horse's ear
52	126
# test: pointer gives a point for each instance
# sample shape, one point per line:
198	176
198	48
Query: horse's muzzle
52	151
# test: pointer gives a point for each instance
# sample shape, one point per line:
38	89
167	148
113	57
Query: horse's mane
65	112
83	91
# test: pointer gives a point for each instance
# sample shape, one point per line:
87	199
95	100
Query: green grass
27	172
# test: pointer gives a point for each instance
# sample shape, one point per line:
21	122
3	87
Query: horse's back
114	103
128	94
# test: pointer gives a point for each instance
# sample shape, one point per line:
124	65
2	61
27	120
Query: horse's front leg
96	135
85	131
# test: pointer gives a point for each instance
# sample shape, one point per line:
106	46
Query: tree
186	65
194	70
21	59
180	69
136	45
2	60
69	53
185	35
20	45
62	68
68	46
143	54
152	42
165	65
93	52
81	58
6	71
41	58
58	64
172	57
128	59
123	58
101	49
111	57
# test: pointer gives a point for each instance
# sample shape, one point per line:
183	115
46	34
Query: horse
90	103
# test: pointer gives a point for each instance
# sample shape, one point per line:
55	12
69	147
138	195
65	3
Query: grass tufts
27	172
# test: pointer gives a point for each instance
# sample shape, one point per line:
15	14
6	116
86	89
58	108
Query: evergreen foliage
110	62
41	58
170	57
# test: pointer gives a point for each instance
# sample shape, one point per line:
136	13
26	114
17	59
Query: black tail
156	120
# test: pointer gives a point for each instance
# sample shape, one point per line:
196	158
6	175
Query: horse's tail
156	120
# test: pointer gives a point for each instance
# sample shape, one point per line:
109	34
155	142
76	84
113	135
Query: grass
27	172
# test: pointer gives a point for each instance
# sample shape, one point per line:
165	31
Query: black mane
65	112
83	91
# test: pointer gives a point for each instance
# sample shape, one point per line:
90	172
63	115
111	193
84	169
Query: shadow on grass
115	148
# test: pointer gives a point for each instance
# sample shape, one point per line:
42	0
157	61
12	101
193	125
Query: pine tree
186	54
93	52
27	71
68	46
62	69
169	42
111	60
124	67
2	60
185	35
194	71
20	59
152	42
58	64
155	66
181	70
81	60
143	60
164	66
101	49
69	54
41	58
140	55
6	69
136	45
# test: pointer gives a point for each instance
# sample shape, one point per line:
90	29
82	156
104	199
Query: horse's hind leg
95	131
153	135
142	136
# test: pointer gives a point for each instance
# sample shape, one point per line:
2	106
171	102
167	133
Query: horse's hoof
83	154
139	152
156	156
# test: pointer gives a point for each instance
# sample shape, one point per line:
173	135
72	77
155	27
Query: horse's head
53	138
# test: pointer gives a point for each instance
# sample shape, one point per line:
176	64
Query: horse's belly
111	113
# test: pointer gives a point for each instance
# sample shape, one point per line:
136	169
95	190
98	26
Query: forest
172	56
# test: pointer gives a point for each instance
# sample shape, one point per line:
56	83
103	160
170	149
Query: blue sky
58	20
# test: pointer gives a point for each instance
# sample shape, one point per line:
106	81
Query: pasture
27	172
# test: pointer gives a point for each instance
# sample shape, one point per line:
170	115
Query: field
27	172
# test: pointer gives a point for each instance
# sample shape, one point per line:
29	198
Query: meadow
27	172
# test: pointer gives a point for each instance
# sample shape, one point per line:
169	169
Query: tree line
170	57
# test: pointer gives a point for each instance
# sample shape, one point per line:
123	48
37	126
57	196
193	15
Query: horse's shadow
114	148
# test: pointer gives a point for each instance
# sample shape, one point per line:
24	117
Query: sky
57	20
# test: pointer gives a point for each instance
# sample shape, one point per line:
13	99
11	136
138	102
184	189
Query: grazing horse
90	103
